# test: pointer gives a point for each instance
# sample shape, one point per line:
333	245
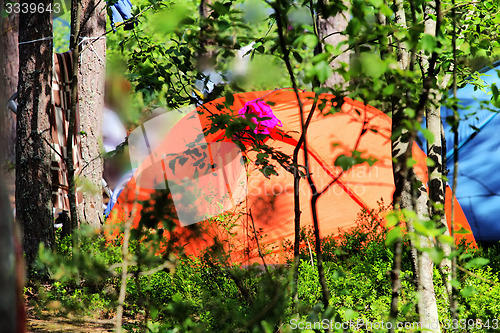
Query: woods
255	165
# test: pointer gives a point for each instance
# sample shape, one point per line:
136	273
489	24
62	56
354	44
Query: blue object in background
478	189
121	11
120	185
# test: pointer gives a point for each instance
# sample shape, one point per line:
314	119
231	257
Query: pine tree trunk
91	104
9	60
33	183
12	308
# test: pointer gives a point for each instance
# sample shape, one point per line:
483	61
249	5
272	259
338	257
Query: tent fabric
268	204
478	189
59	128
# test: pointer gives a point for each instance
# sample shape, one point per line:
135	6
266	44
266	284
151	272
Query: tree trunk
437	184
91	79
329	33
12	309
33	182
7	267
9	58
415	198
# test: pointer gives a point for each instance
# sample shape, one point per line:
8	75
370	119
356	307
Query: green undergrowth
182	294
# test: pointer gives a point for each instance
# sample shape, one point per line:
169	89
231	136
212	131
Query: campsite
249	166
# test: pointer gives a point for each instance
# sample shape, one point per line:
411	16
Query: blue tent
478	190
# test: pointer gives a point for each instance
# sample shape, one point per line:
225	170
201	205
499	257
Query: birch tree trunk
414	198
437	186
91	77
33	181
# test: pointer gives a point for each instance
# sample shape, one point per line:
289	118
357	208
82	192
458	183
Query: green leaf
462	231
446	239
392	219
430	162
171	164
420	228
153	312
389	90
320	57
455	283
393	235
377	3
345	162
411	162
229	99
310	40
386	10
297	56
436	254
428	135
495	99
409	112
429	43
329	312
353	26
338	274
223	24
468	290
323	71
372	65
350	314
476	263
409	214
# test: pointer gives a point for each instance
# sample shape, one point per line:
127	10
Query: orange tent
333	131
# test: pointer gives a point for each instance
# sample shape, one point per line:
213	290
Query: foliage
207	294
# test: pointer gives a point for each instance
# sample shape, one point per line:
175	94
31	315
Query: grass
206	294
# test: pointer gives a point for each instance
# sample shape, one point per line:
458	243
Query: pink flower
260	109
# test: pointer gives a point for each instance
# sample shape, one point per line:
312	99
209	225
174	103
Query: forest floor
46	322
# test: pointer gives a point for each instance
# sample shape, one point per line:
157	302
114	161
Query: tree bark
329	30
12	311
33	182
12	308
7	267
416	200
9	58
437	186
427	307
411	198
403	54
91	77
